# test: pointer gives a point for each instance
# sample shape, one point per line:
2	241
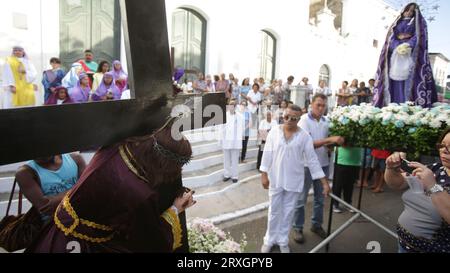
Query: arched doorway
324	74
189	40
91	25
268	55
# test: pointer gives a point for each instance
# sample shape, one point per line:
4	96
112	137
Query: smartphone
405	166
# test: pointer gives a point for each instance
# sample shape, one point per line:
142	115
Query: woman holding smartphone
423	227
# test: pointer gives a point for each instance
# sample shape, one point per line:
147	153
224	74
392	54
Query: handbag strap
19	205
11	196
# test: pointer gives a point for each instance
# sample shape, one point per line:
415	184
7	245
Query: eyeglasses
290	118
442	147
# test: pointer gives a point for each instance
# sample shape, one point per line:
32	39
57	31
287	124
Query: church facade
330	40
334	40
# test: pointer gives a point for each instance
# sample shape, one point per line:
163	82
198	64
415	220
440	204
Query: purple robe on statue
420	87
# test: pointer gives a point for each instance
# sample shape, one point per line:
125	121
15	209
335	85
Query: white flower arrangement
397	126
404	49
205	237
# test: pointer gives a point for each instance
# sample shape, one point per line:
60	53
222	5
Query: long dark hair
409	6
100	66
446	132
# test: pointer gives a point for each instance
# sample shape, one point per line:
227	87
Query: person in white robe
288	148
19	81
71	79
231	141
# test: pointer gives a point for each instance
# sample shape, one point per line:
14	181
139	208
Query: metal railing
347	224
359	213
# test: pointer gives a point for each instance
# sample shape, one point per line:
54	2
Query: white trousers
281	215
231	163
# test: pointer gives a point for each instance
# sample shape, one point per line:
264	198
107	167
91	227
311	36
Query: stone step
7	174
209	162
26	205
200	148
214	158
199	151
231	200
201	130
222	186
210	176
208	135
6	184
7	170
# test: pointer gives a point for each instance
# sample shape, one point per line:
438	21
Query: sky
439	31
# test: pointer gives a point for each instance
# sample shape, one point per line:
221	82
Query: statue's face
409	12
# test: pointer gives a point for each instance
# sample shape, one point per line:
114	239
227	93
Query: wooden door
89	24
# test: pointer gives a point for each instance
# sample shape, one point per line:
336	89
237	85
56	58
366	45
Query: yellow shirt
25	94
98	77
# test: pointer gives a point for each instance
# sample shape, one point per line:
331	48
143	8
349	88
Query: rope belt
77	222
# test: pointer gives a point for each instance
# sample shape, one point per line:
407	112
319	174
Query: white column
346	15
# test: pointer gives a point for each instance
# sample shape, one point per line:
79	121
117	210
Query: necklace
447	170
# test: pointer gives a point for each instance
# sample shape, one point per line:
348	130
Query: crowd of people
277	91
86	81
296	153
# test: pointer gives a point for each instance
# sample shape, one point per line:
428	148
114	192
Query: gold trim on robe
172	218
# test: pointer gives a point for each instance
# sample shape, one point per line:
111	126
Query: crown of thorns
182	160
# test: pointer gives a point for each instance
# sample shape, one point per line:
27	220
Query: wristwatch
435	189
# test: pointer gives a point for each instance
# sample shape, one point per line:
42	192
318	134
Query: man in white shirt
317	126
231	142
306	92
323	89
254	99
287	88
287	149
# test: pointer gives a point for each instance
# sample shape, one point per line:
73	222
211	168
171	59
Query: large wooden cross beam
29	133
34	132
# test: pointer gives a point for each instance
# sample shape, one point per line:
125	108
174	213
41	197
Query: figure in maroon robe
127	200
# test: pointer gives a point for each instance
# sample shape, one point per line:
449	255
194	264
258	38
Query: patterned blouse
440	243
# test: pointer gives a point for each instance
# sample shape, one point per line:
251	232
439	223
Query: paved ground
385	208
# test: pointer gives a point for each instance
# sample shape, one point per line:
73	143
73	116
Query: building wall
440	68
33	25
233	40
233	36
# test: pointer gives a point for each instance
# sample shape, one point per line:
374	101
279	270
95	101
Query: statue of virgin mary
404	71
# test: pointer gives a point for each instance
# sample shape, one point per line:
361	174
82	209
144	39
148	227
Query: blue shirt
245	89
56	182
247	123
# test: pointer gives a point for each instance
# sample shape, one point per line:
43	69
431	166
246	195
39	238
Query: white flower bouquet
397	127
205	237
404	49
401	63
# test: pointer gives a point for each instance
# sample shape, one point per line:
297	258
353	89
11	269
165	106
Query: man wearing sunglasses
316	125
288	148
